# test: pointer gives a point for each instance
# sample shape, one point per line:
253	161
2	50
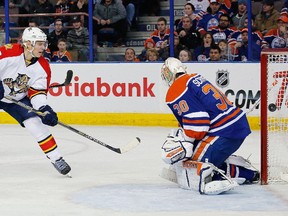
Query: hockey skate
255	179
242	162
61	166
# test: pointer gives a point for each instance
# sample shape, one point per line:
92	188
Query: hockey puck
272	107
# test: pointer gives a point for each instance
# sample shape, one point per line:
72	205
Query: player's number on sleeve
181	107
224	102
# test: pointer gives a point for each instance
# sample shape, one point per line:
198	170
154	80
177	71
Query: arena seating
136	37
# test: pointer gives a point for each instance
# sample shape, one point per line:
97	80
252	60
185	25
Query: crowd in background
209	30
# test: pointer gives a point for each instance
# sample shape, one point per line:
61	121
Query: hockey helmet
171	67
33	34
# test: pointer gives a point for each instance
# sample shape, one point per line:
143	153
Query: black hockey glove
50	118
1	90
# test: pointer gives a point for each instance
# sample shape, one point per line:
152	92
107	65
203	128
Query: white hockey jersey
20	80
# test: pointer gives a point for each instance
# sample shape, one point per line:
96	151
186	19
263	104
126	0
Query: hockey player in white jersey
212	129
25	76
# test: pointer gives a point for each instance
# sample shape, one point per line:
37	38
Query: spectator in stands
239	18
242	48
130	55
130	6
201	53
24	8
152	55
43	6
200	5
78	41
81	6
164	51
277	37
235	37
162	32
267	19
112	14
2	33
149	7
32	23
189	10
148	44
189	37
211	17
185	55
215	53
62	55
55	35
63	7
225	53
227	7
223	30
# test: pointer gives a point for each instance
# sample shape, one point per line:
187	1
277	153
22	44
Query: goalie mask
171	68
33	34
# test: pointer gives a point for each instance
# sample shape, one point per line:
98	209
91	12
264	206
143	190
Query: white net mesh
277	117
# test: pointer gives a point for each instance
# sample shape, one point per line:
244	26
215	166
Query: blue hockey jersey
202	110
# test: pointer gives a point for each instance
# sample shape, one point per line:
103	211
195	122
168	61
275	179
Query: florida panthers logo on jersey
17	86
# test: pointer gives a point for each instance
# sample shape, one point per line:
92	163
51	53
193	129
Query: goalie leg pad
239	161
198	176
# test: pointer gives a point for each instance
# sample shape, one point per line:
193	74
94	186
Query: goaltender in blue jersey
212	128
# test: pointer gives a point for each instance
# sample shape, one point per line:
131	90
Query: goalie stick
67	81
132	144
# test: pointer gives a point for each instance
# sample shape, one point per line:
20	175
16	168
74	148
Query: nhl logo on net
222	78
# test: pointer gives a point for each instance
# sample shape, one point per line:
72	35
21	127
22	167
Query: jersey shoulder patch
11	50
178	87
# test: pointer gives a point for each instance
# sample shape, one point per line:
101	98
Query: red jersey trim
45	65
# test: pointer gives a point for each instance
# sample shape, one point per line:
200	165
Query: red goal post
274	116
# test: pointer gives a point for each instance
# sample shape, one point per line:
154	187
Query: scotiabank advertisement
138	87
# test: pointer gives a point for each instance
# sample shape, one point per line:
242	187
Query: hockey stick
259	99
132	144
67	81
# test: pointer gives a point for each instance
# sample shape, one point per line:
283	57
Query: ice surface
106	183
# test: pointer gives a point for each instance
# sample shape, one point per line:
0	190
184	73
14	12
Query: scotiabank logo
101	88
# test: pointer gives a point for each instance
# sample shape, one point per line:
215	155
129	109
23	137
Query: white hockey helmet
33	34
171	67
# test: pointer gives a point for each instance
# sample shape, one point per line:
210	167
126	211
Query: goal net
274	116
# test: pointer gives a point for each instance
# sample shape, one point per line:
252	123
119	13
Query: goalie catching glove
176	148
50	117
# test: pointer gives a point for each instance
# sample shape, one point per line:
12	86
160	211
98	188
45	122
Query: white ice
109	184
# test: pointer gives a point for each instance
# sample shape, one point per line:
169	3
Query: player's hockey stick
132	144
259	99
67	81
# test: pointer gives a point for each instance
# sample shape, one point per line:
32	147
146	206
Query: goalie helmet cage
274	116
